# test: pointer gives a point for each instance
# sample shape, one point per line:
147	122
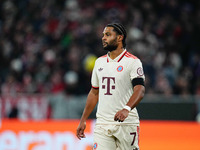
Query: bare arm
137	96
91	102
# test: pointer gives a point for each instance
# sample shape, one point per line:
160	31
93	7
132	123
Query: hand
80	130
121	115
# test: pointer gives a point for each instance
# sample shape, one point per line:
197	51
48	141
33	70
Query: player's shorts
116	137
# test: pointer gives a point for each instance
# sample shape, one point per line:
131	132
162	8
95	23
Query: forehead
108	29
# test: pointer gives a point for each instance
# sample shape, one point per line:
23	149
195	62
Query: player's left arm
138	94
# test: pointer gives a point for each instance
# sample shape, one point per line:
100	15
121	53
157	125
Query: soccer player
117	86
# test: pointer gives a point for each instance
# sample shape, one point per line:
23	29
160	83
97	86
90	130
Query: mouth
104	44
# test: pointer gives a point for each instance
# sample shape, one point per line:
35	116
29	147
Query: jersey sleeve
136	70
94	79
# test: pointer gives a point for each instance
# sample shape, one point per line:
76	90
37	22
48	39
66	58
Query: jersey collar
118	58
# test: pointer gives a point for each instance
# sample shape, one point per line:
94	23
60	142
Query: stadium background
47	52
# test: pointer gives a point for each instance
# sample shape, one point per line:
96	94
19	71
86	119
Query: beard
111	46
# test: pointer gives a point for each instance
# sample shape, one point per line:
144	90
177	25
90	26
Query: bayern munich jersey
114	80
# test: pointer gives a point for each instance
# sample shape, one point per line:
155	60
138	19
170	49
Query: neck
113	54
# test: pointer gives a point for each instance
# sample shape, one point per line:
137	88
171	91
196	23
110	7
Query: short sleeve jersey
114	80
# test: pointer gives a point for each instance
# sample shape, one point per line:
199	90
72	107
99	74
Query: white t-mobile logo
108	83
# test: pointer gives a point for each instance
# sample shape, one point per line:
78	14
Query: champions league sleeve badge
140	71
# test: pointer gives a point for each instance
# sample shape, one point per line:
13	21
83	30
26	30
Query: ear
120	37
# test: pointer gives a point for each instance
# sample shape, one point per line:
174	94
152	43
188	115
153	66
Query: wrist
127	108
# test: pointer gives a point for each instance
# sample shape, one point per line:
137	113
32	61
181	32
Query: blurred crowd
50	46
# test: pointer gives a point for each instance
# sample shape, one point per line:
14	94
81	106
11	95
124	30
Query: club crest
95	146
119	68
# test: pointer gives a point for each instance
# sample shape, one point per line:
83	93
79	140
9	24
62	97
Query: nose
103	38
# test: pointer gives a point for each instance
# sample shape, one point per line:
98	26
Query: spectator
37	38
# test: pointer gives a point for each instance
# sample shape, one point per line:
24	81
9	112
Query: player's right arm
91	102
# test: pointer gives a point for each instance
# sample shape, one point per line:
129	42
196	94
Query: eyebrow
107	32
